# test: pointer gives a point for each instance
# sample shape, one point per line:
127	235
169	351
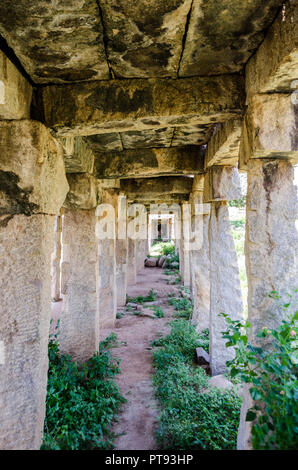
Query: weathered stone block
96	107
223	147
269	129
222	184
15	91
78	156
274	66
82	191
32	169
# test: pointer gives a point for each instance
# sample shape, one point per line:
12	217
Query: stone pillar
271	252
200	261
225	289
107	212
79	326
184	260
107	282
132	262
222	184
56	259
33	188
121	252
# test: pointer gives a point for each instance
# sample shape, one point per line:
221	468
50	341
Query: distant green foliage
82	401
141	299
160	248
238	202
238	223
190	418
272	372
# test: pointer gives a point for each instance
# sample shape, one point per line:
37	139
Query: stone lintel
95	107
150	162
269	129
32	172
78	156
274	66
223	147
83	192
15	91
150	186
222	184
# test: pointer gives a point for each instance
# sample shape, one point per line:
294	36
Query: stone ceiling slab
148	138
89	108
150	162
222	35
58	41
144	38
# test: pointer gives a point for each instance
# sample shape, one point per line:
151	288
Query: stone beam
151	189
222	184
15	91
150	162
274	66
269	129
78	156
147	200
88	108
223	147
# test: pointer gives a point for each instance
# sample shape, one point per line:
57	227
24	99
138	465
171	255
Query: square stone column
33	188
121	251
271	253
132	262
225	289
184	251
79	326
200	262
107	282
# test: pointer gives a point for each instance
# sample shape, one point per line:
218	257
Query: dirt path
138	419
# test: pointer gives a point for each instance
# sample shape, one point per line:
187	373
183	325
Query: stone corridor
112	112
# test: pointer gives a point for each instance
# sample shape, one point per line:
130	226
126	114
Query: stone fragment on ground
202	357
220	381
161	261
151	262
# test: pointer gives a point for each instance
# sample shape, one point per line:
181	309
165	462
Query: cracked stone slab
274	66
144	38
56	42
149	162
223	35
78	156
89	108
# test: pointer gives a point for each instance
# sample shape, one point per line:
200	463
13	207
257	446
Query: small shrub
82	401
158	312
182	306
272	372
190	418
203	339
141	299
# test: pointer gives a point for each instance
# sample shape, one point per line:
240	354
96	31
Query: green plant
190	418
182	306
271	370
203	339
240	203
158	312
119	315
141	299
82	401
